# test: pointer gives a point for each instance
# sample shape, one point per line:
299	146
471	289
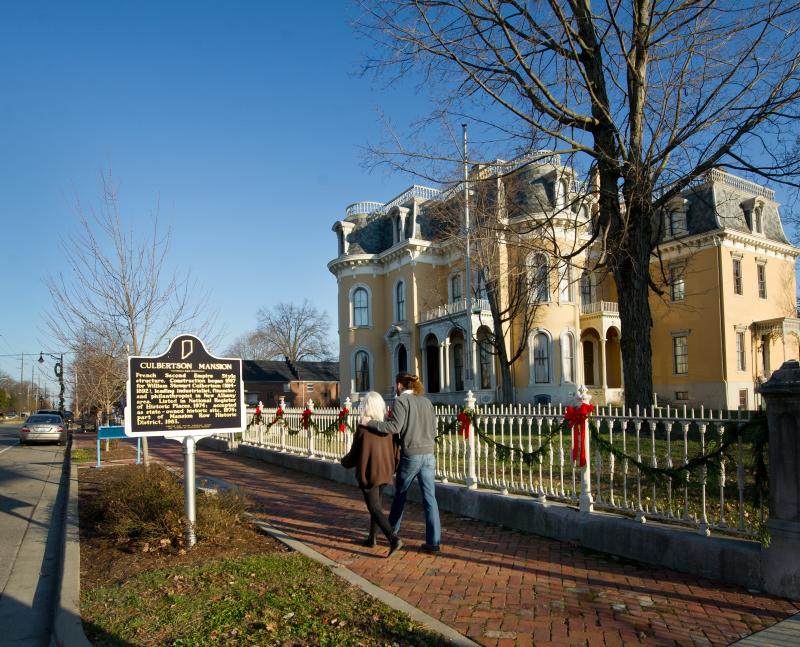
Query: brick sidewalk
497	586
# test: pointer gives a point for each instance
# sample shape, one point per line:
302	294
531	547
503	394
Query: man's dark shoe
370	541
394	545
431	548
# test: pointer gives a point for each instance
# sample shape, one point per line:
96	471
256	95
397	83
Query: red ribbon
463	420
278	415
576	417
343	418
306	418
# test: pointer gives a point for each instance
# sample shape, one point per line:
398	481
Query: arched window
458	366
565	289
568	358
455	288
539	273
563	193
399	229
362	382
484	361
402	358
360	307
586	288
400	301
541	358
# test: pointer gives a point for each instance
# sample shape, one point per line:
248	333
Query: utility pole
468	385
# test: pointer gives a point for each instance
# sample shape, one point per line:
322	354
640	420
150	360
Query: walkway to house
496	586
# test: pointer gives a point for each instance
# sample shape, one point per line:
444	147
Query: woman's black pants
378	519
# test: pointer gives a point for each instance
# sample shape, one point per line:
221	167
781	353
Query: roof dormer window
758	219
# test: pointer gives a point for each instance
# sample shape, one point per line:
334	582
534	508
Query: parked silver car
42	427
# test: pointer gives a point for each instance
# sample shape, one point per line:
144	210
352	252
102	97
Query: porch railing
658	436
454	308
599	306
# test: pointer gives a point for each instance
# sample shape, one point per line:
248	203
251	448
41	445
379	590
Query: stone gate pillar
781	560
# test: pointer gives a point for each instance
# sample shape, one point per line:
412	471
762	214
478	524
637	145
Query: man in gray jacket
414	420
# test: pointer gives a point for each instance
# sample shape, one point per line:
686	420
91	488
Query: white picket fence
658	436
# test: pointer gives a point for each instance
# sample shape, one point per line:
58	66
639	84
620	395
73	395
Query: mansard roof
721	202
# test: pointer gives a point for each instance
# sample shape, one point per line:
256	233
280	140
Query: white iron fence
526	449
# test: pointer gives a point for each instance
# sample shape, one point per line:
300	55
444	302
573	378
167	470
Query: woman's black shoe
370	542
395	544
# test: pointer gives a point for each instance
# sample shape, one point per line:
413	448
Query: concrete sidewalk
496	586
34	486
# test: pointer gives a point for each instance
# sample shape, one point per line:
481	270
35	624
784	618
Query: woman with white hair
375	459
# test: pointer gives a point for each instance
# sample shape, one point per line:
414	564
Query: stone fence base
728	560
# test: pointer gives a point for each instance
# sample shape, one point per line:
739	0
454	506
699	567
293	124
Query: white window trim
740	330
761	264
673	268
351	305
565	280
734	258
566	340
674	334
532	356
370	362
532	270
450	278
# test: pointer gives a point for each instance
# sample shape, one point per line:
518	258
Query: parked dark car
43	427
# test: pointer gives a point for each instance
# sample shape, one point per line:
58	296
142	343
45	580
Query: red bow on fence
463	420
576	417
306	418
278	415
343	419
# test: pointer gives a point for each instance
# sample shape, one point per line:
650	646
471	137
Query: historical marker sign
184	392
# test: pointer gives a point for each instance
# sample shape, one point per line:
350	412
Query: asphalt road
30	547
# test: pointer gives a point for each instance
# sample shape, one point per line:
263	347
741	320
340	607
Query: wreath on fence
307	422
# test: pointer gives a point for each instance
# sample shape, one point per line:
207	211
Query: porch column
603	376
442	355
476	383
446	366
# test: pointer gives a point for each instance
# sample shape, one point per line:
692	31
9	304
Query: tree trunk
501	352
630	266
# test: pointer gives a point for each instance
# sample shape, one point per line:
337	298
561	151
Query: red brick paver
498	586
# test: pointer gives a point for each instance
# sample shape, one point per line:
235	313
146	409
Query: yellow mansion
725	318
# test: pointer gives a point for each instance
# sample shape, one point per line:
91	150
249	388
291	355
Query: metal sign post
189	489
185	394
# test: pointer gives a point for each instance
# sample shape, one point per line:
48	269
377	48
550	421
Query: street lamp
59	372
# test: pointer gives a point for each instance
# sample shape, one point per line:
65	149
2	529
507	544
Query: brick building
297	382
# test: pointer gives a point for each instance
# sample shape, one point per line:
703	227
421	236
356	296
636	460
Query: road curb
67	624
390	600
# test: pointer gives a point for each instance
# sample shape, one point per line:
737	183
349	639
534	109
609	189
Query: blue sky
242	121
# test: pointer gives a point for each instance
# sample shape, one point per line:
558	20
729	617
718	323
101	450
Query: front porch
443	349
601	353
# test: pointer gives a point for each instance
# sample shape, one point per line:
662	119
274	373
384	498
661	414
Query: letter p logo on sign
187	348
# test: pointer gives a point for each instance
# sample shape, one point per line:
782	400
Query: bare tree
117	292
101	376
297	332
645	96
251	345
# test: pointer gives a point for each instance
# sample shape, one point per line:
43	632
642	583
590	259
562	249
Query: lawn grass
272	599
141	585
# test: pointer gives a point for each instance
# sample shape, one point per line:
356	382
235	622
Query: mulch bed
105	562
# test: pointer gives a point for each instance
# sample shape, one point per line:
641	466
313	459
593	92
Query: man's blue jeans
423	468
